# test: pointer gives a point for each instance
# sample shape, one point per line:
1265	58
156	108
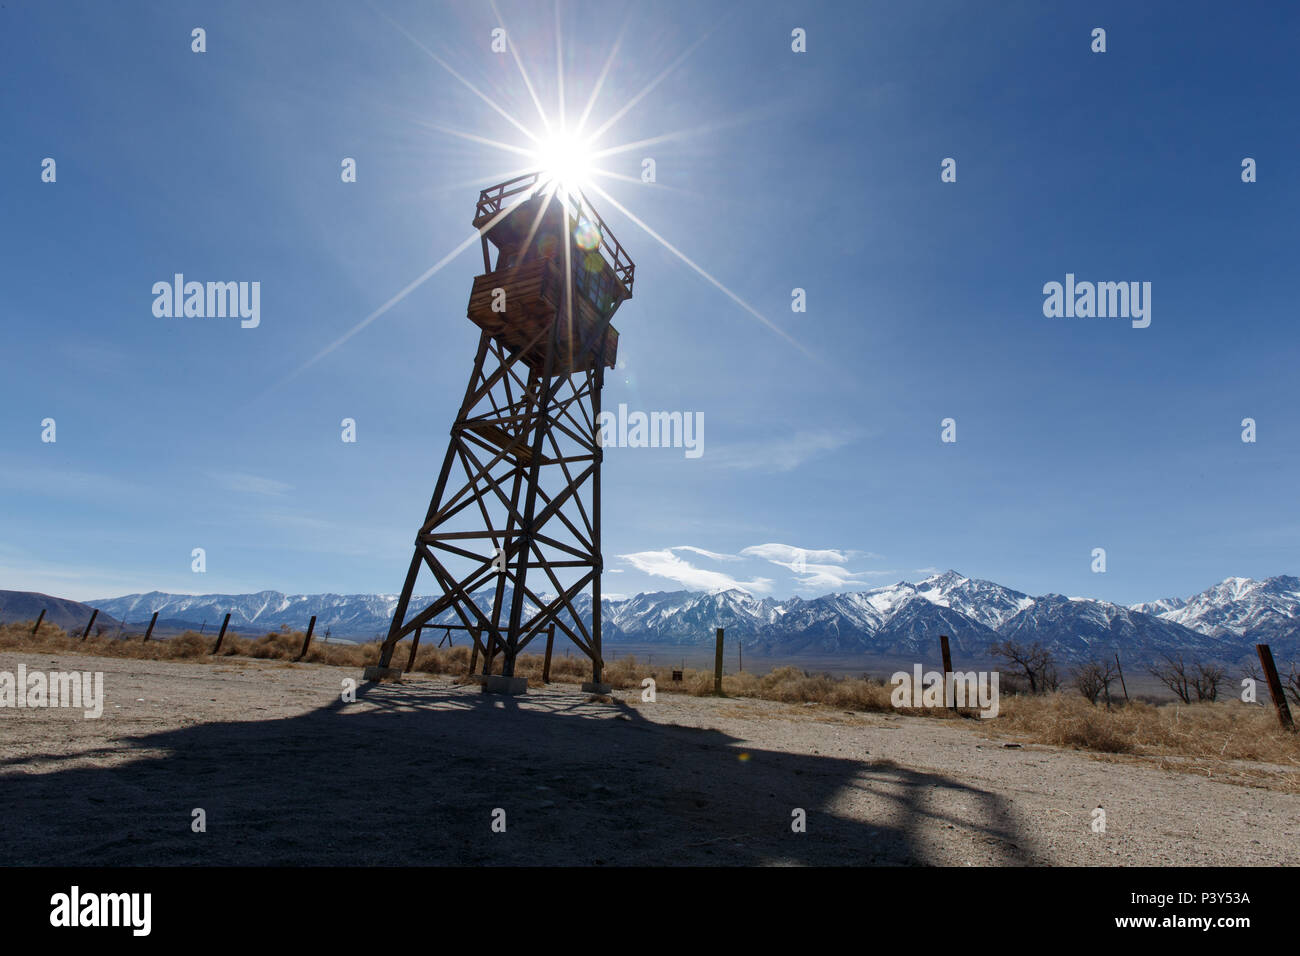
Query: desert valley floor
413	773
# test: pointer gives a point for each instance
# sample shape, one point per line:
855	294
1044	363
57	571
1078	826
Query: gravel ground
289	774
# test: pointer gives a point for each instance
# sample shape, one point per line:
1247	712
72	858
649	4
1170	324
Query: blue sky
818	170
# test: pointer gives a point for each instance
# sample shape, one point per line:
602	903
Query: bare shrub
1206	681
1033	661
1173	674
1093	680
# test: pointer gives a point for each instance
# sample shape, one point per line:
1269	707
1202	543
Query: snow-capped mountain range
903	619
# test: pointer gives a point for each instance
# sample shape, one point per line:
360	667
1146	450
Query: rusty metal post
948	684
717	665
1275	686
222	635
306	641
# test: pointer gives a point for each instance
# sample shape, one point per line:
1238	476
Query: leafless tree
1034	662
1051	680
1173	674
1206	681
1093	679
1291	686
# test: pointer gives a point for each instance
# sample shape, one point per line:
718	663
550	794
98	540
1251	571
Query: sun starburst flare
566	160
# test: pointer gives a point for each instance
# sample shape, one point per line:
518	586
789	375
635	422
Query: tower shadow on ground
411	774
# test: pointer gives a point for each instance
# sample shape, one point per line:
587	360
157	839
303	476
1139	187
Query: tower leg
596	685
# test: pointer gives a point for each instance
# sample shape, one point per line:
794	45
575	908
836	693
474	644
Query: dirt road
287	773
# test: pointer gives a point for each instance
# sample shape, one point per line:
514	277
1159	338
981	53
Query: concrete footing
375	672
589	687
496	684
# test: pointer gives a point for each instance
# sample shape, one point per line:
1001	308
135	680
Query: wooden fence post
717	665
152	621
38	622
222	635
306	641
89	624
1275	686
415	646
948	683
550	645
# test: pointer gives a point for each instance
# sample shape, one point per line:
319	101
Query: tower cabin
523	295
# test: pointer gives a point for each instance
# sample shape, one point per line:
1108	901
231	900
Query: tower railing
492	199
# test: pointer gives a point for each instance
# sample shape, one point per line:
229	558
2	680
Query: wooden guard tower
510	544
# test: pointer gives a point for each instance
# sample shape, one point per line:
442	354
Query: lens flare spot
587	236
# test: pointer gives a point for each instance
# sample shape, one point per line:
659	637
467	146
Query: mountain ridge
1221	622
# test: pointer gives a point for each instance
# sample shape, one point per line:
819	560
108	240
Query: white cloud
816	567
777	454
708	554
779	553
252	484
666	564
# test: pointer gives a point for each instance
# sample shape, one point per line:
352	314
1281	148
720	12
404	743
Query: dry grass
1197	738
1225	730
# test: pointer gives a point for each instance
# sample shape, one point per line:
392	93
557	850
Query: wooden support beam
149	630
38	622
1120	671
415	646
89	624
550	645
473	655
1275	686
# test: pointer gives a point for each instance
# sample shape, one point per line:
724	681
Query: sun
569	164
566	160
